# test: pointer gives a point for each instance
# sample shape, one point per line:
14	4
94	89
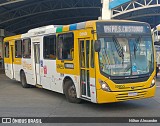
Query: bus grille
124	96
130	80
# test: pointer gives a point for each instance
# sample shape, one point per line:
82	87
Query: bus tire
70	92
23	80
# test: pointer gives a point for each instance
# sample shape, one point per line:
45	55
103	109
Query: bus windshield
126	56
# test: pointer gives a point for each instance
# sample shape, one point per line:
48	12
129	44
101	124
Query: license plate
132	93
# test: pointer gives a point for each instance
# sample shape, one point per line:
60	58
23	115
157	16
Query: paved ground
34	102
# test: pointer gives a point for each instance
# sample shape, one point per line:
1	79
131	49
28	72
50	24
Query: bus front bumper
109	97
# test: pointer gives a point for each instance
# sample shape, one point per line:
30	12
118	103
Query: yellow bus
101	61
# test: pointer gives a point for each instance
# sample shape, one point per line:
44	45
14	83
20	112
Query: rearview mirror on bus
97	45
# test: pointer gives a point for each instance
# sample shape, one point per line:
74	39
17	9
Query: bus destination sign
123	29
132	28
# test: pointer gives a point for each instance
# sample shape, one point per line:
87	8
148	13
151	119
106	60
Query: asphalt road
16	101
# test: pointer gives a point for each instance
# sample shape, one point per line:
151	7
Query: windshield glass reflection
120	56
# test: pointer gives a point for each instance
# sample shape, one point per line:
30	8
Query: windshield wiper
135	46
118	48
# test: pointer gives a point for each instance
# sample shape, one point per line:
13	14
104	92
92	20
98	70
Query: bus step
85	98
38	86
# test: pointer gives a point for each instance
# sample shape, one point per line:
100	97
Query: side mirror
97	46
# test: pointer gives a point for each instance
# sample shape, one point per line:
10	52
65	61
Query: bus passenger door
9	59
12	61
37	61
86	71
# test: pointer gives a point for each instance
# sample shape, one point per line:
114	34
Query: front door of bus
37	61
85	67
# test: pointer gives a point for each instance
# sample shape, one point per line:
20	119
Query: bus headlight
104	86
153	82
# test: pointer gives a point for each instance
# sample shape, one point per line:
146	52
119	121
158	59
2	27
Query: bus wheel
70	92
23	80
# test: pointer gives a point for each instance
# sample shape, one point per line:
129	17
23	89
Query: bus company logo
60	66
27	65
6	120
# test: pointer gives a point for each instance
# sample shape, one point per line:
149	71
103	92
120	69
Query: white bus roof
50	29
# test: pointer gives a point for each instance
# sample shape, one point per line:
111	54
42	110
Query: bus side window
49	47
18	49
65	46
27	48
6	49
